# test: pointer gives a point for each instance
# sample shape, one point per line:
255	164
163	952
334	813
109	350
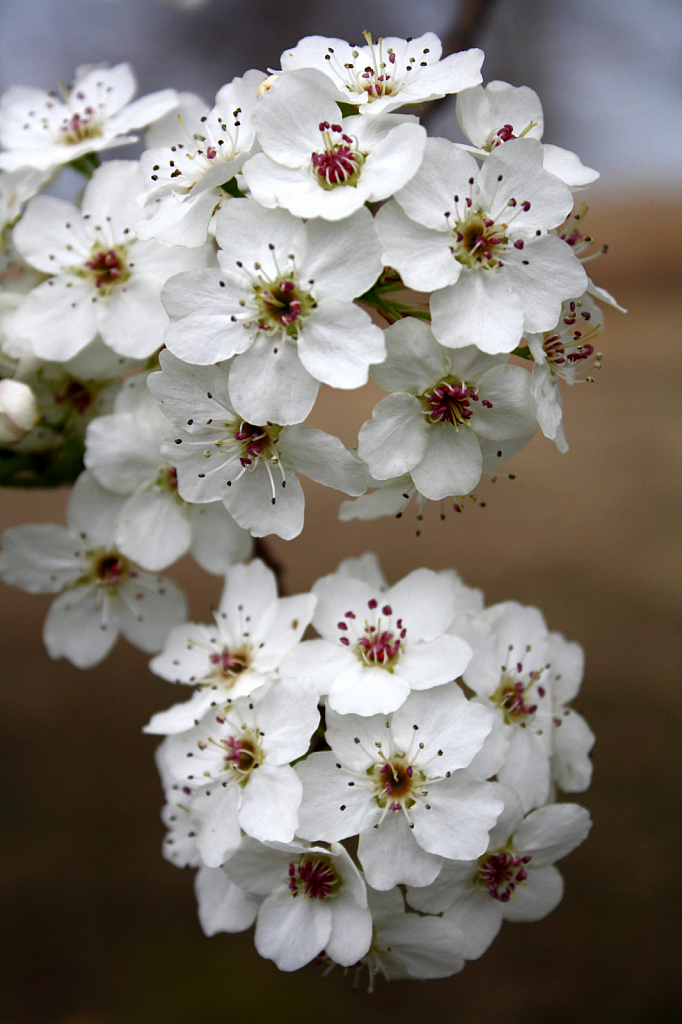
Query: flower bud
18	410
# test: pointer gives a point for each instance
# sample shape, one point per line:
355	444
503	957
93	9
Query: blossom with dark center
482	241
233	768
386	73
493	115
399	782
316	164
101	592
443	408
313	901
241	652
514	880
376	646
46	130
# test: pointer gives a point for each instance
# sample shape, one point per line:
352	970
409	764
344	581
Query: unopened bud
266	84
18	410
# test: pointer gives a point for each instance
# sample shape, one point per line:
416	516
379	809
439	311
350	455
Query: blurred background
97	928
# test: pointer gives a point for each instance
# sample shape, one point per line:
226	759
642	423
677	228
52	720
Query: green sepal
233	189
57	467
86	165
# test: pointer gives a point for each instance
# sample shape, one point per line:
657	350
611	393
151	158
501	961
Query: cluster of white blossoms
163	339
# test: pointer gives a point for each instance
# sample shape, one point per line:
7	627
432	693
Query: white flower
253	631
101	593
514	880
314	901
566	352
379	644
18	410
220	455
184	179
500	112
444	403
234	769
155	526
480	239
400	784
102	278
510	674
317	163
406	945
384	75
282	304
45	130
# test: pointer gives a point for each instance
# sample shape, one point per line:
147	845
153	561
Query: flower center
110	569
107	268
568	349
505	134
394	781
282	305
478	241
500	873
380	644
315	876
339	161
451	402
79	127
75	394
513	697
227	665
243	754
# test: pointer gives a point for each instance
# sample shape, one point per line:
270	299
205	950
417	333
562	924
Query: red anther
342	625
518	244
372	603
211	152
387	610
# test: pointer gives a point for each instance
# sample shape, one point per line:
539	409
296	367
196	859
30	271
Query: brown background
98	929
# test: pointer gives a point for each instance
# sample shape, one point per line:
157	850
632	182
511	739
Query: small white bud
18	410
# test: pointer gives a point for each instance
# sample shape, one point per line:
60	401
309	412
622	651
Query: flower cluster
362	742
163	340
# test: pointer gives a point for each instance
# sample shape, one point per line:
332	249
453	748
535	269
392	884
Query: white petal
552	832
292	931
537	897
217	541
422	256
268	382
81	626
323	458
270	802
338	344
481	308
221	905
390	855
250	503
452	463
351	933
462	812
150	607
40	558
153	529
394	441
326	790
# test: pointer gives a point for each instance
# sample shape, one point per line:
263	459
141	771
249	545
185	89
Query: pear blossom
282	304
514	880
377	645
101	593
102	278
512	674
400	783
316	163
253	631
405	945
313	902
218	454
497	113
442	402
481	239
155	526
185	178
388	73
234	769
46	130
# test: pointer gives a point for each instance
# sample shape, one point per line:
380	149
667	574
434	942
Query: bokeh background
97	928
